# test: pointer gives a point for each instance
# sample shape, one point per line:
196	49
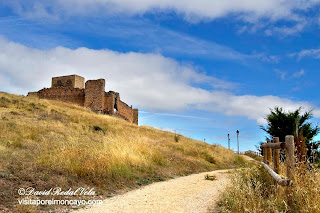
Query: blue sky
203	69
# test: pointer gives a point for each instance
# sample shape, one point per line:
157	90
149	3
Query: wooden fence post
290	156
264	155
290	161
276	157
269	153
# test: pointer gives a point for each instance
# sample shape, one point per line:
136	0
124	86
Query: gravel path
185	194
248	158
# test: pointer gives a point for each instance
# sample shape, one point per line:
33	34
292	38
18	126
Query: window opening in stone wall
115	107
59	83
69	82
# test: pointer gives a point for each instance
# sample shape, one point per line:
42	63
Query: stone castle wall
92	94
70	95
33	94
125	111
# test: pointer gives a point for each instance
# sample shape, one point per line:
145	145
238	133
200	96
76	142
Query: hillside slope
47	144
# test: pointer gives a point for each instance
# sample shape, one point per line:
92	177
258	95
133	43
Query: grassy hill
46	144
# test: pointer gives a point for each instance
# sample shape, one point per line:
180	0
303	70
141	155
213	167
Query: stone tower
69	81
94	95
135	116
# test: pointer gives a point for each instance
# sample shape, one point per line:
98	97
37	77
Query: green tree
281	123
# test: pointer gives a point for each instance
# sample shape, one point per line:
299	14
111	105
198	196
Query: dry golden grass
255	157
253	190
47	144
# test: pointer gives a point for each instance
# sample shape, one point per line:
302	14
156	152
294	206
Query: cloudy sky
201	68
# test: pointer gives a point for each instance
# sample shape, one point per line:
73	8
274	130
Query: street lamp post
238	140
228	141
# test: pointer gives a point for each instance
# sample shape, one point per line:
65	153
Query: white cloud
313	53
282	74
253	107
191	10
284	31
148	81
161	40
273	17
299	74
174	115
293	26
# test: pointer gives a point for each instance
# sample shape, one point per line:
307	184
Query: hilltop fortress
91	94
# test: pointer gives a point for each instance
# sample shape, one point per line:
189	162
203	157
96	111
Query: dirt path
248	158
185	194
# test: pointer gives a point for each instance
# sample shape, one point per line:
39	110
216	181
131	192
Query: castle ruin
73	89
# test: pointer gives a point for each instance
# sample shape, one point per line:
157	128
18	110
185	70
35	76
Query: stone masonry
69	81
91	94
94	95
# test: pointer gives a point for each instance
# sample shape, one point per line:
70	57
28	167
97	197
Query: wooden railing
274	147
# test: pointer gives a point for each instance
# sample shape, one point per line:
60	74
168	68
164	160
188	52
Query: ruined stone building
91	94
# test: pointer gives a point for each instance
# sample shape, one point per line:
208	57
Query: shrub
176	138
209	158
254	190
98	129
4	102
210	177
